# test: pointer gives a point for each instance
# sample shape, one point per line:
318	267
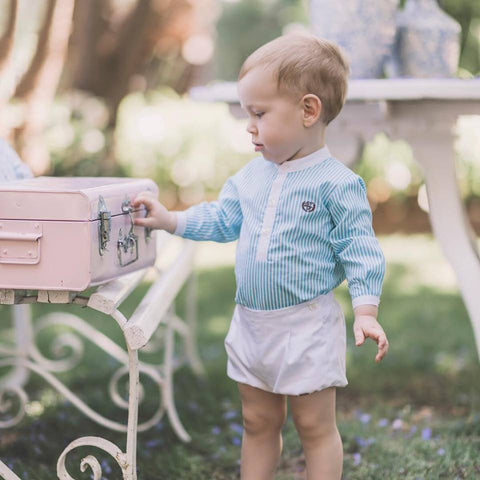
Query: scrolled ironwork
6	405
91	462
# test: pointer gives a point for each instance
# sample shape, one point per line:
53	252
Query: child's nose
251	128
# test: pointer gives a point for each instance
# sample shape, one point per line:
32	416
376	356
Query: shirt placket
269	215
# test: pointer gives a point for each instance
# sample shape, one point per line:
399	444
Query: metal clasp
130	240
126	243
104	225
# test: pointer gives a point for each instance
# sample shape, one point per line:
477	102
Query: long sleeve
11	167
219	221
354	242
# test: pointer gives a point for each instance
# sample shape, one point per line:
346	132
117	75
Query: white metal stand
156	308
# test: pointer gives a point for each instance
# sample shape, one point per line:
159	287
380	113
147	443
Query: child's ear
312	109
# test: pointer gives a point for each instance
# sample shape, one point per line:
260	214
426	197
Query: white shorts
291	351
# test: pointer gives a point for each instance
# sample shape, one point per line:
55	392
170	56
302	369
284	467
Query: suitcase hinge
104	226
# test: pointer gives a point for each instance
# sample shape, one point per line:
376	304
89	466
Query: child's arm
366	325
218	221
355	245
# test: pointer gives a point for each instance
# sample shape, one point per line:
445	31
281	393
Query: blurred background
100	87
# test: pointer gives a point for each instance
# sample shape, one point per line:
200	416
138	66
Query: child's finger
146	200
382	346
142	197
144	222
141	222
359	336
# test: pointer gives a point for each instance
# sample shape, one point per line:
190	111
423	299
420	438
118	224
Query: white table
422	112
140	330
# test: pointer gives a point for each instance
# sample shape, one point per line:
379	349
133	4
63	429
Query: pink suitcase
69	233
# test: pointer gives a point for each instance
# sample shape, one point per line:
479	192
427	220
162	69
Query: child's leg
264	414
314	418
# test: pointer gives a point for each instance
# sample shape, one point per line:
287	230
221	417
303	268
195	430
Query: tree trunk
6	40
38	86
6	44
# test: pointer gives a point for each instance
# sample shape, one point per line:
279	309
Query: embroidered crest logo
308	206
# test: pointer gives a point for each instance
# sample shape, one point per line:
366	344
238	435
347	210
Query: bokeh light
422	198
198	49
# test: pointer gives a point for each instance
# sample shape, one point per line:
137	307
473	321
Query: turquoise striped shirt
303	227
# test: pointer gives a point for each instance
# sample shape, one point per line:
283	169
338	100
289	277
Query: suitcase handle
129	242
15	236
20	248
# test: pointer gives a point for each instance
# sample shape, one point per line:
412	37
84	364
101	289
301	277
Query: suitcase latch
129	242
104	225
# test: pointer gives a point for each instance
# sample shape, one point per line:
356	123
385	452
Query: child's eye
259	114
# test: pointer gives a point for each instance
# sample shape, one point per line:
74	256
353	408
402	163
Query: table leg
127	461
22	324
450	222
6	473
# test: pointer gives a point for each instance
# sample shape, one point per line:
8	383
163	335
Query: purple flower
361	442
365	418
426	433
441	451
383	422
230	414
216	430
237	441
106	467
357	458
237	428
154	443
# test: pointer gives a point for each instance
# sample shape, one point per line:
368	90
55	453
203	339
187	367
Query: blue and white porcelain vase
365	29
427	43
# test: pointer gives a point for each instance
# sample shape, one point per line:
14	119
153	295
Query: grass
414	416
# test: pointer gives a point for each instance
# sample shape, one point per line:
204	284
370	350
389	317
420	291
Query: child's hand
157	215
366	325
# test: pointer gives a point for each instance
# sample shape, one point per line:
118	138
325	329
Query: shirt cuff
181	223
366	300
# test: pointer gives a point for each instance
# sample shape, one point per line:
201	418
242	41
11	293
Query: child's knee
314	428
261	421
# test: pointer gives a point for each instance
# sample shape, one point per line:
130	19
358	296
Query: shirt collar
310	160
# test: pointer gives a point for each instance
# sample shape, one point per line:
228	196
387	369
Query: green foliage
247	24
189	148
467	13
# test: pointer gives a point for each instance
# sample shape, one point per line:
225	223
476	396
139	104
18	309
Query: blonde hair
304	64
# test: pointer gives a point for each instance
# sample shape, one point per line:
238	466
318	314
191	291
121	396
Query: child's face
275	120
